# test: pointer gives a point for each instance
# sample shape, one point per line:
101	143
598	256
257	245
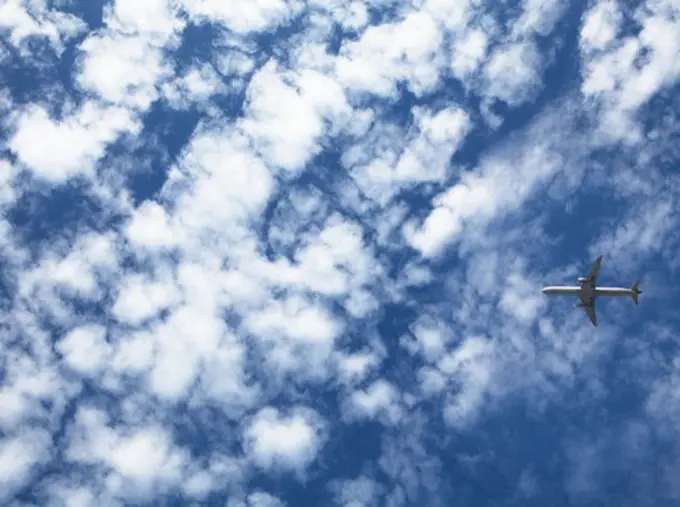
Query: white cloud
286	114
74	496
183	341
19	455
296	336
76	272
452	15
619	76
521	298
539	16
14	406
85	349
427	156
149	227
352	15
407	50
242	16
141	298
219	473
471	366
353	368
33	392
387	159
290	441
504	179
58	27
359	492
154	18
123	70
70	147
7	191
431	337
468	53
262	499
247	286
134	353
513	73
413	471
639	234
197	85
219	197
146	456
296	319
379	400
199	485
139	459
224	381
431	380
336	261
600	26
415	275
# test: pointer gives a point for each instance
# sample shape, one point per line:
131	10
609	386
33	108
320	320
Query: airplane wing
590	310
594	270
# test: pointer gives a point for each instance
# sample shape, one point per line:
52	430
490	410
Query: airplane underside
587	291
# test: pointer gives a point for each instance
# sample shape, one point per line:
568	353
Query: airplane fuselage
559	290
588	290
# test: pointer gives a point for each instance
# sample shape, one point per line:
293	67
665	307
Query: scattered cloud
289	442
86	133
252	246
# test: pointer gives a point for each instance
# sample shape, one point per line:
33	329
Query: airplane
588	290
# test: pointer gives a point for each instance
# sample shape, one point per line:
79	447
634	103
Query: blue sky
266	253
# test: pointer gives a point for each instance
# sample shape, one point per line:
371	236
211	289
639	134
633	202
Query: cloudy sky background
260	253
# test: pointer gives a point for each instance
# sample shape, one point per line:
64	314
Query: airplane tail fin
635	291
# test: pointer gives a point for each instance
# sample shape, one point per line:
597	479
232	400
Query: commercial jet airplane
588	290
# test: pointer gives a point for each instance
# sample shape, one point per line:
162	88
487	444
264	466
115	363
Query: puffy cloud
407	50
513	73
194	87
290	441
141	298
624	74
70	147
359	491
287	122
138	461
329	270
504	180
19	458
36	19
242	16
122	69
85	349
600	26
156	17
380	400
